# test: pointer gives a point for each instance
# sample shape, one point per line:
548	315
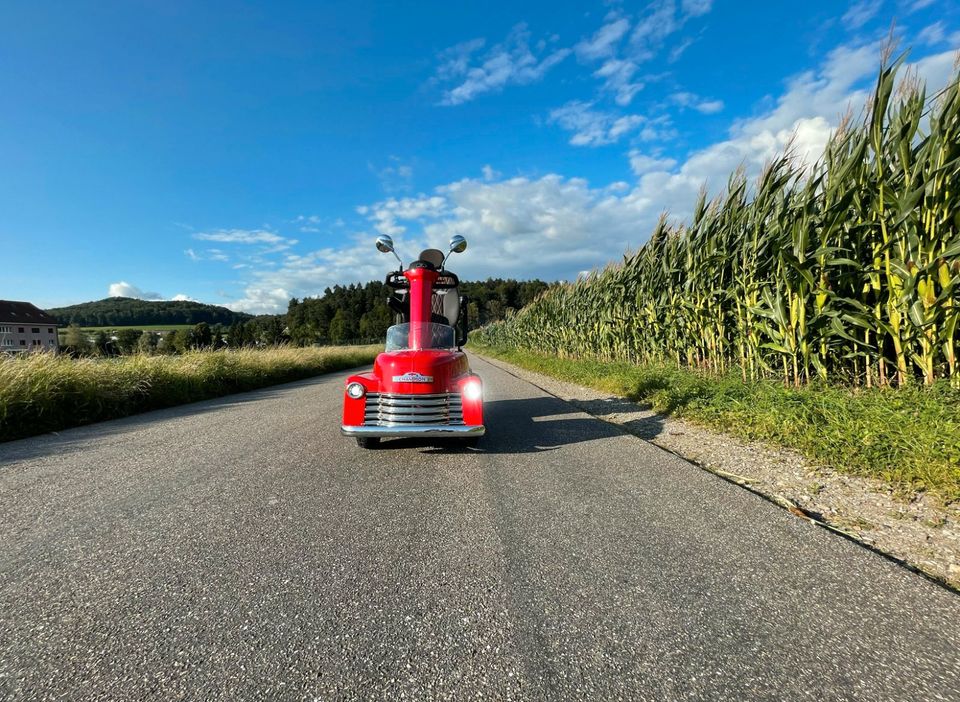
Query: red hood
442	368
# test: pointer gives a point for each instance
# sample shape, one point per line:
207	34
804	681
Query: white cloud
658	129
662	19
265	241
859	13
260	300
617	75
125	289
677	51
385	214
396	176
489	173
620	65
919	5
696	8
932	34
709	107
593	127
660	22
455	61
207	255
509	63
308	224
705	106
641	163
180	297
604	40
244	236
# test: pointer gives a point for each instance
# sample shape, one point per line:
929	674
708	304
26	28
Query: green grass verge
908	437
42	392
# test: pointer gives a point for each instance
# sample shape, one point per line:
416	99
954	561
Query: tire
368	442
472	442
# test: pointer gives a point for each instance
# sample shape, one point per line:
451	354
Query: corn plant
845	271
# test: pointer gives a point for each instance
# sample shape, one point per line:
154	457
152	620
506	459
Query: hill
127	311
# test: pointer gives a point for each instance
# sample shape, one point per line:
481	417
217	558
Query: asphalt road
242	549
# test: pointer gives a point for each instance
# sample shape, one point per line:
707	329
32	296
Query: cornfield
846	271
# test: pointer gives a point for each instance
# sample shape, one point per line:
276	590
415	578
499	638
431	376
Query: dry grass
42	392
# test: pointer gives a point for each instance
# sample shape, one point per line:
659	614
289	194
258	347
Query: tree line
344	314
351	313
264	330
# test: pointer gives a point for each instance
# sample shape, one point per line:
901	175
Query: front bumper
451	431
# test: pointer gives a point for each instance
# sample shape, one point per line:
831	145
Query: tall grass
847	271
42	392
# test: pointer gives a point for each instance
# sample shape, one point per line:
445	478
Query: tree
341	327
495	311
168	343
127	340
125	311
271	330
374	324
101	343
76	340
216	335
235	335
473	314
202	338
147	343
182	340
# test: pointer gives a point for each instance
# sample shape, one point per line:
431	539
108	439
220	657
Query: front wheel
368	442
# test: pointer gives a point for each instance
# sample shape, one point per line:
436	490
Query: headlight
472	390
355	390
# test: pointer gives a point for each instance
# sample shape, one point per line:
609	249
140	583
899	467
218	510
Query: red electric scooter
422	385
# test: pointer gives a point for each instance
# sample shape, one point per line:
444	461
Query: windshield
423	335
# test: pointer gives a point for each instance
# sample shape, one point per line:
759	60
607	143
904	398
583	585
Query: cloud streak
622	47
859	13
244	236
592	127
512	62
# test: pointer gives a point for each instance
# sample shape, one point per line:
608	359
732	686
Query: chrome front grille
390	410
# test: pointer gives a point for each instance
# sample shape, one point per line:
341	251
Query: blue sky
244	153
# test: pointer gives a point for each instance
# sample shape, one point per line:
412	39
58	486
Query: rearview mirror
384	244
458	244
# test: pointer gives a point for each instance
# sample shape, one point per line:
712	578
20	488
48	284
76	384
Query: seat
446	305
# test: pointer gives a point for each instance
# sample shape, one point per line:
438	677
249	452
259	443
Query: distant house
25	327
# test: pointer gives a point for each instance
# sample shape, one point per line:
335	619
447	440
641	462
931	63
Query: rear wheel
472	442
368	442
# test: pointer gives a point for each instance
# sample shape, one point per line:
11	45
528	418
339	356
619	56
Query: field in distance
141	327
